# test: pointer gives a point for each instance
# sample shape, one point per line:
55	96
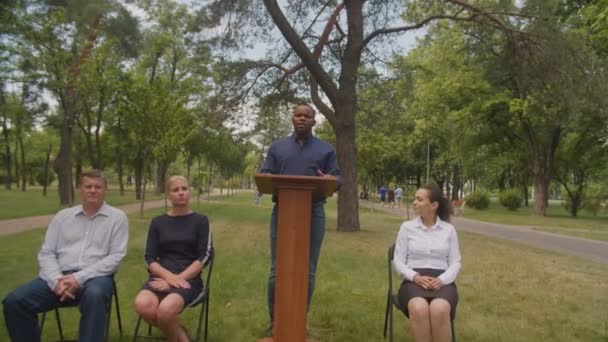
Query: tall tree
328	39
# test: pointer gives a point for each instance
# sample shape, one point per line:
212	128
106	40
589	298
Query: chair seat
74	303
392	300
202	299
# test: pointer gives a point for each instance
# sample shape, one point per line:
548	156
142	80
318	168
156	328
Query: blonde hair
174	178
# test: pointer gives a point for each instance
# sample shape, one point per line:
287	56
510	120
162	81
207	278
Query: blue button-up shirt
287	157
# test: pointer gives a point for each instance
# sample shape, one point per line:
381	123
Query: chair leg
136	329
388	306
108	319
453	333
206	314
59	325
390	324
117	308
197	337
42	321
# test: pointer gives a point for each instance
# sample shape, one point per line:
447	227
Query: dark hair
312	110
436	195
93	173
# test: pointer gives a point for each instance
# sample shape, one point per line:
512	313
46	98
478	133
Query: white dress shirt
93	246
421	247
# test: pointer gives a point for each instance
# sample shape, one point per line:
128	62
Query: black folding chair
393	300
203	300
73	304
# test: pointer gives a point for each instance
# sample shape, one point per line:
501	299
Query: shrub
511	199
478	200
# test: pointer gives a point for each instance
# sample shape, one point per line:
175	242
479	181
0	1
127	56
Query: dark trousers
22	306
317	231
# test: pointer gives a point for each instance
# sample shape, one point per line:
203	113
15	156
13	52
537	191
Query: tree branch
308	59
329	114
412	27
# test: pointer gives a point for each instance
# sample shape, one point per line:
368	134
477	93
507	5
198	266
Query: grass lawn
557	220
508	292
16	203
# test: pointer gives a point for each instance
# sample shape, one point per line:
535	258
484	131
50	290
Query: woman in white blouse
428	259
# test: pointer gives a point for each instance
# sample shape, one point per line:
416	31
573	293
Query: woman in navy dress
178	246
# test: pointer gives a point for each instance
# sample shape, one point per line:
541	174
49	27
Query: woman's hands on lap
428	283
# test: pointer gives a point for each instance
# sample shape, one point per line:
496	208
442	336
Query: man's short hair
93	173
314	112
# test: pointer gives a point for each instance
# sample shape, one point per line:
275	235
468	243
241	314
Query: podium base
270	339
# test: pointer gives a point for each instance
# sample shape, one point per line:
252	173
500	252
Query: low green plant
478	200
510	199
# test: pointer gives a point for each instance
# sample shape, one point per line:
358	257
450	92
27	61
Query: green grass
17	204
508	292
557	220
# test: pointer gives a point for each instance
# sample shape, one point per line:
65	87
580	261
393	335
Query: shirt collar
104	210
294	136
439	223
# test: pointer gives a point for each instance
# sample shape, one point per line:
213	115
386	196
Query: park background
501	103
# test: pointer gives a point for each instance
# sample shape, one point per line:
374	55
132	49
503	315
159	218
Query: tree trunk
16	164
8	164
210	181
142	197
139	172
63	165
119	171
47	162
456	183
161	175
346	149
23	168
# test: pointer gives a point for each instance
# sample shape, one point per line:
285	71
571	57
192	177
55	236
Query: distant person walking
383	191
391	197
399	196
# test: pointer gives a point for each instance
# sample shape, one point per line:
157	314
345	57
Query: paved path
29	223
585	248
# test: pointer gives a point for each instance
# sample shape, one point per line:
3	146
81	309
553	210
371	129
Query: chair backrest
209	267
206	277
391	255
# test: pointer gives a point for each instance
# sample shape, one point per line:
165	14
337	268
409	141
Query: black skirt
409	290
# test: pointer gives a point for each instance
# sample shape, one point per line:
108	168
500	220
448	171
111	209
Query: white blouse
420	247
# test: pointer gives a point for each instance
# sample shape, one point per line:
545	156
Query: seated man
82	249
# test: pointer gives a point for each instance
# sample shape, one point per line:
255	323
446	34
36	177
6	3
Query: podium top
268	183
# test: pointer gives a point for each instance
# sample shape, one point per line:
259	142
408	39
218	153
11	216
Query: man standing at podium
300	154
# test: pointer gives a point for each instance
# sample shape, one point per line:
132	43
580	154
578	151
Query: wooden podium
292	248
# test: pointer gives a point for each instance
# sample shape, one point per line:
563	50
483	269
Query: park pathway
584	248
29	223
24	224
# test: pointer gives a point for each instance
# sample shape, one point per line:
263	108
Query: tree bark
23	168
63	162
47	162
8	164
119	171
456	183
139	171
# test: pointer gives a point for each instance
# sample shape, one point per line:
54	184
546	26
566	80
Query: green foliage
237	309
478	200
595	199
510	198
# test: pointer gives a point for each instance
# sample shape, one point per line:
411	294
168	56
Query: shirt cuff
81	277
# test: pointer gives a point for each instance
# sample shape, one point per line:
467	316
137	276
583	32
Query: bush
511	199
39	176
478	200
